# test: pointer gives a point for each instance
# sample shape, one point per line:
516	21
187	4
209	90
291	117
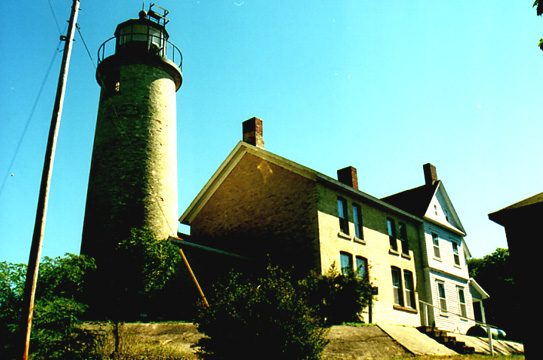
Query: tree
56	329
539	10
131	284
494	273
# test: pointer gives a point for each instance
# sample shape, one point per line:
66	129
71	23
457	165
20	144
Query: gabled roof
243	148
417	201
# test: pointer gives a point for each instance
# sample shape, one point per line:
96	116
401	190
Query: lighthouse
133	175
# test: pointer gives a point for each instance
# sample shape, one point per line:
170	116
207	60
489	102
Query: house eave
444	225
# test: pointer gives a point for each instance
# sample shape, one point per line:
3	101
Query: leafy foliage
259	317
154	260
11	294
337	298
538	7
136	281
56	330
273	315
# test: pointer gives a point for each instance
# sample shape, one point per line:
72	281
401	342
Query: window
391	226
361	267
357	219
409	289
462	302
397	286
346	261
435	241
456	253
442	296
342	214
403	238
446	214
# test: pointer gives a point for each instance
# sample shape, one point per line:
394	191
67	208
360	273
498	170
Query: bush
337	298
262	317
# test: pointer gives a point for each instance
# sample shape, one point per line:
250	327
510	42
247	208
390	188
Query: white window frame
410	299
462	301
442	296
456	252
435	245
397	286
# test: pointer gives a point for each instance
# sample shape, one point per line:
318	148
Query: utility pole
39	226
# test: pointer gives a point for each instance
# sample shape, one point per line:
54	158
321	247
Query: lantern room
143	34
146	35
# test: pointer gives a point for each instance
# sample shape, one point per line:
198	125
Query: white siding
451	321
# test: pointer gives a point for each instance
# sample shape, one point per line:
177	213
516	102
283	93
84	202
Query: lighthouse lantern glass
142	33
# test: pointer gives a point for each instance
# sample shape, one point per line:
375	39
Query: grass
132	346
466	357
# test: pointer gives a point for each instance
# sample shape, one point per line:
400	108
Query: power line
19	143
54	16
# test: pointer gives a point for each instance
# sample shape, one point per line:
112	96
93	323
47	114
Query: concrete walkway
501	347
415	341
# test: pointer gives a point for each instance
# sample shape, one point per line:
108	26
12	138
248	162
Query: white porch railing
427	312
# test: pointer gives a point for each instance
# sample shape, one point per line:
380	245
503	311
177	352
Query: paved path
415	341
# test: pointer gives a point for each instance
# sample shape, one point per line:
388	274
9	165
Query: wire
54	16
40	91
85	44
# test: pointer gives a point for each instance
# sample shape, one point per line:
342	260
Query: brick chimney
253	132
430	174
348	176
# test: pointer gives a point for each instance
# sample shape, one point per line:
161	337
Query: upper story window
435	243
391	227
346	262
357	220
403	237
456	252
342	215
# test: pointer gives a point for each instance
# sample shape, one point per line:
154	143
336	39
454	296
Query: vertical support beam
39	226
490	344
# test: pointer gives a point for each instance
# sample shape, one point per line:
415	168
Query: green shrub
262	317
337	298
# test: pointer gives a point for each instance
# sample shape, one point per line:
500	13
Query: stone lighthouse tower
133	176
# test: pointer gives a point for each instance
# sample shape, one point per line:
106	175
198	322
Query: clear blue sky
381	86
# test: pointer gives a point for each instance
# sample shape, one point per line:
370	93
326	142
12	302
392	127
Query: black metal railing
168	50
